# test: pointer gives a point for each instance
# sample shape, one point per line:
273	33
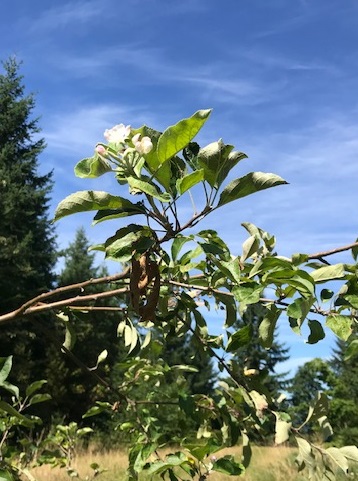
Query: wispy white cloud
66	15
152	66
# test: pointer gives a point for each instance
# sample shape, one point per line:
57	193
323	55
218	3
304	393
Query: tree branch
318	255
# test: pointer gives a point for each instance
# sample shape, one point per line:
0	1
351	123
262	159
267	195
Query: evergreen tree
344	390
27	251
27	243
73	389
254	360
312	377
182	350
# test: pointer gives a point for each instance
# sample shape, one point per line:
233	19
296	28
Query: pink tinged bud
101	150
117	134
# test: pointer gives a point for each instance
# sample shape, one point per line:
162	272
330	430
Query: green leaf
339	458
326	294
35	386
89	200
228	465
101	358
70	336
6	475
340	325
5	368
246	450
249	247
298	279
125	241
247	292
351	350
282	430
239	339
230	307
231	268
325	428
247	185
178	136
217	160
316	332
305	455
91	168
189	180
350	452
328	273
267	326
11	388
4	406
317	408
39	398
200	451
299	308
140	186
94	410
108	214
178	243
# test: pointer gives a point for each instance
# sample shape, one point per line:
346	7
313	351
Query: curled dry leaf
143	272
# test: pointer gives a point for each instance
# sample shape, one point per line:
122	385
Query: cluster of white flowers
117	134
120	134
142	145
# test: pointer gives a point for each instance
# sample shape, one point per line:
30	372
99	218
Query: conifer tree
313	377
27	242
344	393
27	251
73	389
253	359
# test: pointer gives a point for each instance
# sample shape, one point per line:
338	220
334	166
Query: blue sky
281	76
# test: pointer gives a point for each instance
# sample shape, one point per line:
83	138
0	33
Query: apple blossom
101	150
142	145
117	134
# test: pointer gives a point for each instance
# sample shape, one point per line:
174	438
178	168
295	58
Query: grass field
268	464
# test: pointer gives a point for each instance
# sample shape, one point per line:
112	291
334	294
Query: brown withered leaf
142	274
147	311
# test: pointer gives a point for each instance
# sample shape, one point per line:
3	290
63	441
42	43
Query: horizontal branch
41	302
318	255
35	306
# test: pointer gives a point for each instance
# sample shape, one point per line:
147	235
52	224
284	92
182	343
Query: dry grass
268	464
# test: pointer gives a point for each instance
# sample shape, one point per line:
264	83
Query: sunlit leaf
267	326
339	458
189	180
328	273
125	241
247	185
340	325
5	368
141	186
217	159
178	243
92	167
89	200
239	338
282	430
178	136
249	247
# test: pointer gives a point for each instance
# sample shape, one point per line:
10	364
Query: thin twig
43	307
332	251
